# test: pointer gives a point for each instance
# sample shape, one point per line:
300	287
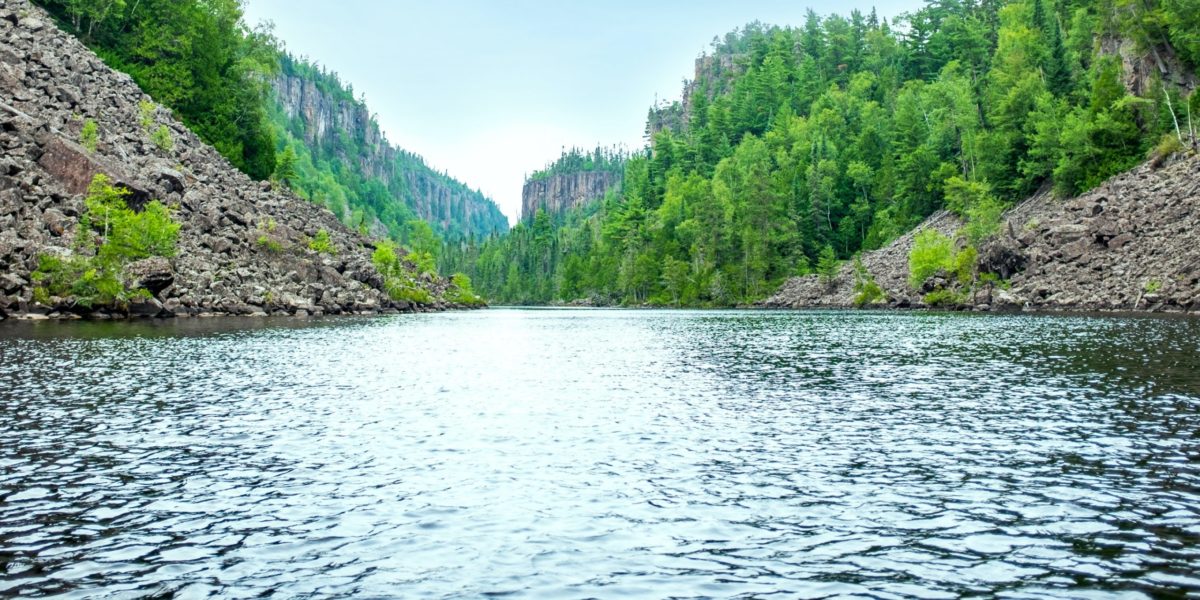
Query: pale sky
492	90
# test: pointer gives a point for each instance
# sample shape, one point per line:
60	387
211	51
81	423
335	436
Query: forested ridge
200	58
798	147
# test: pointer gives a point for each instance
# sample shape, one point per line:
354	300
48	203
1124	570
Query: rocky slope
562	192
242	245
1130	244
324	119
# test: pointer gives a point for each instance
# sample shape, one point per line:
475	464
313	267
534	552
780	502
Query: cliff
713	76
315	108
561	192
1130	244
243	247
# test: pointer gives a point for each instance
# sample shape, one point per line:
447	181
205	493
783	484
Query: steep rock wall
562	192
445	204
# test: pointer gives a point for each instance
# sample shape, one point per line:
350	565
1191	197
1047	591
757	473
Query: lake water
602	453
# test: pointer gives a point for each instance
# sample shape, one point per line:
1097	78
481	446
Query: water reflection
600	454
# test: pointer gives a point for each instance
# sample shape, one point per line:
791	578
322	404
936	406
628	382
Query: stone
145	308
155	274
1120	241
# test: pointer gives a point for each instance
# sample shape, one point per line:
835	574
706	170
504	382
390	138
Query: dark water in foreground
571	454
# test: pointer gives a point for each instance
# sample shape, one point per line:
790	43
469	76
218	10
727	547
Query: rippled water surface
575	454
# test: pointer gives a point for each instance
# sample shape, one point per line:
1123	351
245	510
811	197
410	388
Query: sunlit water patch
575	454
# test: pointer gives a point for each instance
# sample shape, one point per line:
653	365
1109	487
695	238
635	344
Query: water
574	454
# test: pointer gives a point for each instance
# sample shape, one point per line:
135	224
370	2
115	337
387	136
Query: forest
799	147
201	59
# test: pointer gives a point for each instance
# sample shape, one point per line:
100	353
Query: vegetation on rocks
845	132
222	78
110	236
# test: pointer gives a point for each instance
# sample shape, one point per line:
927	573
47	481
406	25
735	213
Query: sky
491	90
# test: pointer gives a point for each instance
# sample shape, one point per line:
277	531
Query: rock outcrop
242	245
561	192
322	118
1129	245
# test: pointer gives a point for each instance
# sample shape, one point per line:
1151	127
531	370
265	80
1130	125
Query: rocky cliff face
1130	244
713	76
50	85
562	192
322	118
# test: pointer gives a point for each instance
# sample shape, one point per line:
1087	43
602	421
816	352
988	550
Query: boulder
155	274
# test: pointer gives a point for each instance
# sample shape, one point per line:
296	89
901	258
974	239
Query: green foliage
610	160
462	292
146	111
828	264
322	244
269	243
943	298
1167	145
965	263
376	201
162	138
89	135
840	135
91	276
400	281
85	279
931	253
285	167
197	57
866	291
1152	286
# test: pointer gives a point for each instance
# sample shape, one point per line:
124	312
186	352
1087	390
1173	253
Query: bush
398	281
827	264
462	292
942	298
866	291
964	264
931	252
146	111
89	136
322	244
270	243
162	139
1168	145
91	276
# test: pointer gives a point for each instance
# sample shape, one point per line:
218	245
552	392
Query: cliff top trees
819	141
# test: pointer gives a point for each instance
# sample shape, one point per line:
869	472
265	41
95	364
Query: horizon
489	114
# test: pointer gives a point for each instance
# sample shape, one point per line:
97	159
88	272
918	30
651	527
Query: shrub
827	264
270	243
128	235
399	282
321	243
866	291
1152	286
462	292
162	139
964	264
1168	145
89	136
931	252
88	280
146	111
91	275
942	298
